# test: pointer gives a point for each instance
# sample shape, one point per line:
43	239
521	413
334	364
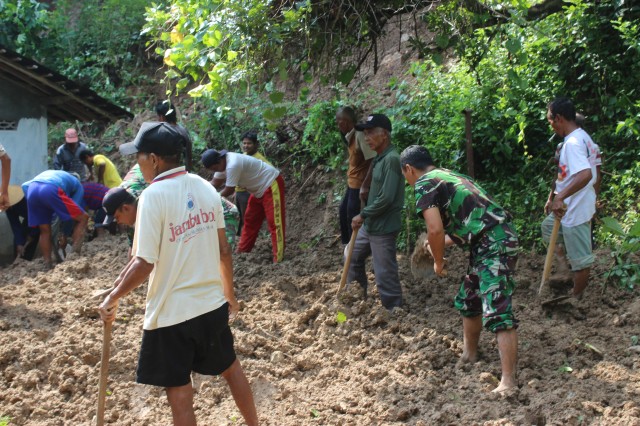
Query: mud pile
308	366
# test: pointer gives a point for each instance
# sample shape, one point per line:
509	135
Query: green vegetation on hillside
250	63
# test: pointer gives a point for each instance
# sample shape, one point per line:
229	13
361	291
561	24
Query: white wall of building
27	147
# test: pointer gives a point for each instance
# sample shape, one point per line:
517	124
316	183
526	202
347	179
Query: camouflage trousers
231	221
489	283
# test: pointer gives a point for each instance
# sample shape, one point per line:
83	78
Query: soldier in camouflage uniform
458	211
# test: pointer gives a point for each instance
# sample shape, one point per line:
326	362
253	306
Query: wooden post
467	125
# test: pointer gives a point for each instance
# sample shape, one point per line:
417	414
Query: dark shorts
202	344
45	199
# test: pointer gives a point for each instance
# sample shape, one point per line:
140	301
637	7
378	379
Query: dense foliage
250	64
94	42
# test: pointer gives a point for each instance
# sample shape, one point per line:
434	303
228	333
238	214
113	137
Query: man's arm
5	160
101	169
547	205
366	184
137	271
226	273
228	191
598	181
580	180
436	237
58	163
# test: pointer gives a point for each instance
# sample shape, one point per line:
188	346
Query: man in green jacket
381	216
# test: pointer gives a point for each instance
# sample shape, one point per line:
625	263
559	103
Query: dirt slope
304	367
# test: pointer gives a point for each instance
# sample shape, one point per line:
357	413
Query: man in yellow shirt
106	173
250	147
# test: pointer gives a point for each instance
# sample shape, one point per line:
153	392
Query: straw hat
15	194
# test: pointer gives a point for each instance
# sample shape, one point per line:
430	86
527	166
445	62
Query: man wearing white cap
67	156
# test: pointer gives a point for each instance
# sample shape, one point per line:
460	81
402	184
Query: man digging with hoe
180	245
457	211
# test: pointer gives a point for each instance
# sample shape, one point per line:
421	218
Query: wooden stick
549	259
104	373
347	262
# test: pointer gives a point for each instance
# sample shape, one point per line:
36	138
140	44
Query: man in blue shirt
60	193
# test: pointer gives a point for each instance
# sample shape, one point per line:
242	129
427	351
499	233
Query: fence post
467	125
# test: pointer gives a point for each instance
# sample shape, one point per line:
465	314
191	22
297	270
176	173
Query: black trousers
349	208
242	199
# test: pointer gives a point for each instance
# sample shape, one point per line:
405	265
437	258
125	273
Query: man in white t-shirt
574	189
5	161
180	245
266	186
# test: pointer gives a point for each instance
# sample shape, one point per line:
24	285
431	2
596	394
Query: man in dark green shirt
381	216
457	210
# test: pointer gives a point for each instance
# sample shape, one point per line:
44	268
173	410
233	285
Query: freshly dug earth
306	367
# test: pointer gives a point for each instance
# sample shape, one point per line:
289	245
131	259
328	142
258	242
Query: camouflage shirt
466	209
134	182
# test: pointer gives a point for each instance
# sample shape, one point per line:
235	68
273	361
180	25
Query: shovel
421	259
104	373
548	261
347	262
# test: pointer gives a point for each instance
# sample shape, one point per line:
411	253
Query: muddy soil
305	367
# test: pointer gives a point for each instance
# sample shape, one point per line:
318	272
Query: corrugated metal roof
64	99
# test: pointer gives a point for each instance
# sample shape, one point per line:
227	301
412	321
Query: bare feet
505	385
468	357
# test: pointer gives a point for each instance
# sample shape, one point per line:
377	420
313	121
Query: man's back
177	230
63	180
254	175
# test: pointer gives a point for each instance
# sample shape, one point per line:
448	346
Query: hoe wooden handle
548	261
347	262
104	373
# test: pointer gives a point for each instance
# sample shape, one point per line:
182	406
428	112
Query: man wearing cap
60	193
381	215
120	206
458	211
180	245
166	112
106	173
5	161
67	156
266	186
360	156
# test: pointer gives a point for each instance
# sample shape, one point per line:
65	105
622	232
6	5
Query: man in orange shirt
360	156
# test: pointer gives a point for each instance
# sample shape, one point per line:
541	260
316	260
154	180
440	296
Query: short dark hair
416	156
172	159
85	154
251	135
349	112
563	107
165	109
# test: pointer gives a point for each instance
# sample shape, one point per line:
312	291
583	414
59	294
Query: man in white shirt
574	189
180	243
266	186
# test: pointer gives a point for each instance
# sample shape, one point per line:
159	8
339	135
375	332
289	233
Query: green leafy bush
321	139
626	263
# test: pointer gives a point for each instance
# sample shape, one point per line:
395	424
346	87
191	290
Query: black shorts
203	344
